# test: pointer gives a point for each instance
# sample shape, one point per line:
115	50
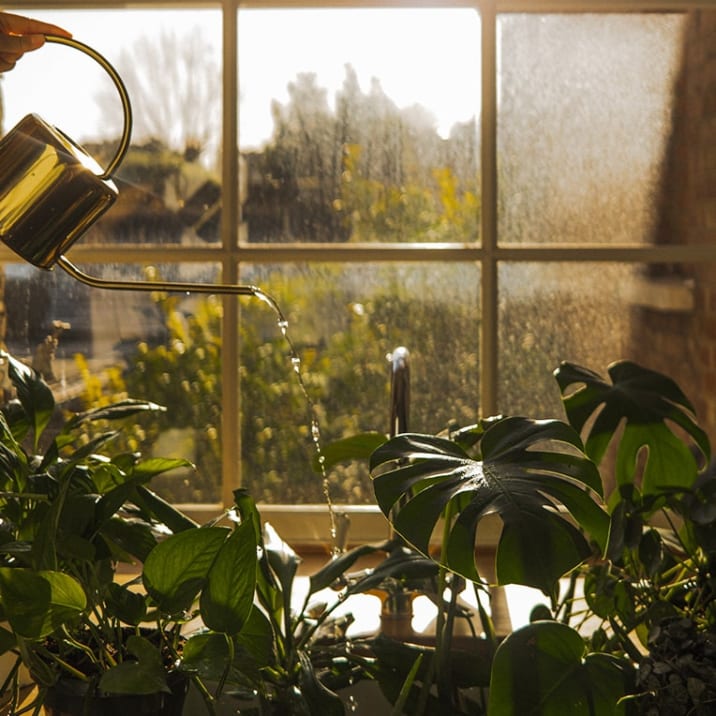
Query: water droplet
315	429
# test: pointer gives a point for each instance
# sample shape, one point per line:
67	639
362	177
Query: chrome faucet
399	390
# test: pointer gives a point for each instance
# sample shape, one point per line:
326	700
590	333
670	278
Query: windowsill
307	528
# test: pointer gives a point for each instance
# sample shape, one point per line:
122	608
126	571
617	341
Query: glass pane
99	346
361	125
584	119
591	314
343	322
170	61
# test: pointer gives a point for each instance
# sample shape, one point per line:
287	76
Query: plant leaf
116	411
162	510
354	447
318	698
228	596
533	475
37	603
128	606
542	670
177	568
33	393
146	675
643	401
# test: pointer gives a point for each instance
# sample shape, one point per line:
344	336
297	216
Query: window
497	186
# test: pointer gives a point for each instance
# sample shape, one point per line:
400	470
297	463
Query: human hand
19	35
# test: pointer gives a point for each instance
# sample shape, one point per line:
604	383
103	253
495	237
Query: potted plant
211	605
637	536
72	512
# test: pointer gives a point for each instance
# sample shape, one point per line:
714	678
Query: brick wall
683	343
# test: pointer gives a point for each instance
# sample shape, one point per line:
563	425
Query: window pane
343	322
584	118
169	182
361	125
591	314
165	348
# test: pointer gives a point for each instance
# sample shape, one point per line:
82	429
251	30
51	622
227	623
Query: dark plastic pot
70	697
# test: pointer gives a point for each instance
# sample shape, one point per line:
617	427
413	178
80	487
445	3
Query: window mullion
488	164
230	397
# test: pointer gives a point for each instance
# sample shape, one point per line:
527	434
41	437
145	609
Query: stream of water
295	361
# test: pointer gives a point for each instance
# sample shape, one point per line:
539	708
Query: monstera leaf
645	403
533	475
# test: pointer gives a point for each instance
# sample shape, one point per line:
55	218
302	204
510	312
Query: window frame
233	248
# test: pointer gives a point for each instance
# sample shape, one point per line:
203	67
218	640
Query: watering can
51	189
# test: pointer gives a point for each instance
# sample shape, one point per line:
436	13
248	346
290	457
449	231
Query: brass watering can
51	189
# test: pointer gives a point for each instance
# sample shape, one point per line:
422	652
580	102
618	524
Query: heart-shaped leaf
37	603
177	569
228	597
533	475
542	669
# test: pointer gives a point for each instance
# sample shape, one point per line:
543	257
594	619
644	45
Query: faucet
397	609
399	390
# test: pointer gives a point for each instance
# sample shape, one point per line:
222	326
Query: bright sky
424	56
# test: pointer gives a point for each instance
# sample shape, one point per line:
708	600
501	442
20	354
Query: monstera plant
525	471
615	500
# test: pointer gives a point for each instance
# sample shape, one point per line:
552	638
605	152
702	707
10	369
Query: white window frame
307	524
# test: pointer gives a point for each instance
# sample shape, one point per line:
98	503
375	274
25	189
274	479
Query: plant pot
70	697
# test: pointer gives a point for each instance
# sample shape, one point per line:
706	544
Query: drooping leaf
402	563
116	411
80	454
37	603
533	475
127	539
335	568
644	402
542	670
281	556
283	563
163	511
139	474
33	393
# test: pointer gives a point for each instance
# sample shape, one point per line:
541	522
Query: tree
175	82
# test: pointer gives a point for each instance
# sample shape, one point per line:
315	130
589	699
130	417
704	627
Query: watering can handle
126	107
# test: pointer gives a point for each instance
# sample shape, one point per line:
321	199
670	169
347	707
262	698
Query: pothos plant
71	512
617	500
213	605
